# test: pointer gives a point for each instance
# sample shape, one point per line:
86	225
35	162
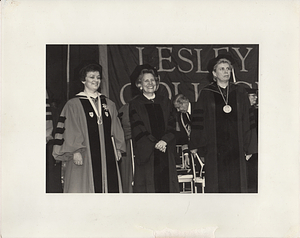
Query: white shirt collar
85	94
150	98
189	110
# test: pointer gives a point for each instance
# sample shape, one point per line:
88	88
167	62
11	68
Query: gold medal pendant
227	109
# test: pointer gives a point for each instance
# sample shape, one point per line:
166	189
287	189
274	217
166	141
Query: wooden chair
201	178
185	177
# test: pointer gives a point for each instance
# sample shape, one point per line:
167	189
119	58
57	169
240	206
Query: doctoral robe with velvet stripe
78	131
126	163
152	121
222	138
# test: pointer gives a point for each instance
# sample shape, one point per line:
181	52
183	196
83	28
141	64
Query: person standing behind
183	122
153	128
53	168
83	138
221	130
252	163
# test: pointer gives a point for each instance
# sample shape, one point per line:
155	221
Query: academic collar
214	87
98	110
150	98
221	86
97	94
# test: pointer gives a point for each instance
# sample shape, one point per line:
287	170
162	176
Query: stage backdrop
181	68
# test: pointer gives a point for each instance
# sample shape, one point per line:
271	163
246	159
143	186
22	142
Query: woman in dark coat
153	128
221	130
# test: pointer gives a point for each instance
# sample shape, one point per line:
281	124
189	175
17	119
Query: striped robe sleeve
198	138
143	141
68	134
49	120
171	123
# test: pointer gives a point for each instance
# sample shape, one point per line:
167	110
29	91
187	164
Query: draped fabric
181	68
252	163
53	168
183	121
78	131
152	121
126	163
222	138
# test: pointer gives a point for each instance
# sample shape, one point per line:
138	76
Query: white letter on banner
218	49
140	54
175	87
186	60
199	70
122	93
168	89
241	57
196	90
160	59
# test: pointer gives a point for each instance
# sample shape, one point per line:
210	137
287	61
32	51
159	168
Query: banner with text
181	68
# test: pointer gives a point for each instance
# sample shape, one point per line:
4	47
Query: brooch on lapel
105	109
91	114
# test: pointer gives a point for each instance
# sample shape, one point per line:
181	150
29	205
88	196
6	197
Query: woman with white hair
153	134
220	130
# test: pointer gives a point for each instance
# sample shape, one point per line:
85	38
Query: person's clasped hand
161	145
77	158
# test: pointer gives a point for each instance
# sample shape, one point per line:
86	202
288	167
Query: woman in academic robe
153	134
220	130
84	141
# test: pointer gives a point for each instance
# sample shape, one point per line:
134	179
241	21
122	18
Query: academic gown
152	121
126	163
222	138
53	168
182	137
78	131
252	163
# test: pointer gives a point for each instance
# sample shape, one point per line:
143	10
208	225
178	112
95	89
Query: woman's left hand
161	145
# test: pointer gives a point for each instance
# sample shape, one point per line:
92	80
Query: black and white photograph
161	119
173	118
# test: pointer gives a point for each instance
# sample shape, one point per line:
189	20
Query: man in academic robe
183	124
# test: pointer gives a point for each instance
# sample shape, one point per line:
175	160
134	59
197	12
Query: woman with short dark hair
83	138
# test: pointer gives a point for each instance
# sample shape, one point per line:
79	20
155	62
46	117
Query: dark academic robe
53	168
78	131
182	122
126	163
252	163
152	121
222	138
